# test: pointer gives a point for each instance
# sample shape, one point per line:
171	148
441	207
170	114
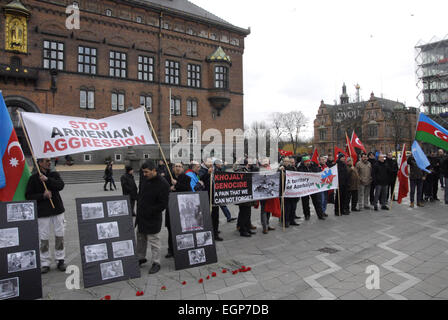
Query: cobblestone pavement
317	260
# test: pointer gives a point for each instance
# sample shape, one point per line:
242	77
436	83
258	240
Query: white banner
54	136
300	184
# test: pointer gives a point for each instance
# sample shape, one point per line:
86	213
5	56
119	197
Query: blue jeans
419	184
226	212
324	200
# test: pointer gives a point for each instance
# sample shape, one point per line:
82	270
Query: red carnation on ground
184	283
163	288
214	274
208	277
201	280
105	298
139	293
235	272
224	270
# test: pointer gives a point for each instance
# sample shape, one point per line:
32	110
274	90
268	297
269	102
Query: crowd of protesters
365	185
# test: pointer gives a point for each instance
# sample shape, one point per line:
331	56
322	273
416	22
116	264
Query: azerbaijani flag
431	132
14	172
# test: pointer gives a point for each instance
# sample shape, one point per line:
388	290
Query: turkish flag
357	143
315	157
403	176
351	151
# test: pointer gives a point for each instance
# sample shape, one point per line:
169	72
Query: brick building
381	124
124	55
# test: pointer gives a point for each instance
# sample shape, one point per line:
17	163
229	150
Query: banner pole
339	200
158	143
32	154
211	191
283	200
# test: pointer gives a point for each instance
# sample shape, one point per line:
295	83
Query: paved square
409	246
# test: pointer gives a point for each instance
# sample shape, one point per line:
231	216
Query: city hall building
381	124
125	54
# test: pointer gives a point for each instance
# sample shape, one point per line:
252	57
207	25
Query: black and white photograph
91	211
107	230
185	241
204	239
19	212
110	270
197	256
9	288
96	252
117	208
265	185
123	249
20	261
191	215
9	237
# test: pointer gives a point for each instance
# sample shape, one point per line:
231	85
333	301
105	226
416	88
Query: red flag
357	143
337	151
403	176
315	157
350	150
285	153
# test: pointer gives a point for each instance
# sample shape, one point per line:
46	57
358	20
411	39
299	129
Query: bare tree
293	122
277	127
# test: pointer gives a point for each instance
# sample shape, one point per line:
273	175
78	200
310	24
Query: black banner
242	187
20	275
107	240
191	227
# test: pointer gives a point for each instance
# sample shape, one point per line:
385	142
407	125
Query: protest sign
300	184
20	275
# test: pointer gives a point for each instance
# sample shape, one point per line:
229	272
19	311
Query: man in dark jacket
416	176
381	174
181	183
391	162
290	203
341	198
129	186
152	201
306	166
47	215
372	161
218	167
435	161
444	174
244	225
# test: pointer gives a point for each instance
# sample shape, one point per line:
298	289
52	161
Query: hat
341	155
306	159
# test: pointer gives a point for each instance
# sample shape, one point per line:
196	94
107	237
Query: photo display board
191	226
20	275
107	240
239	187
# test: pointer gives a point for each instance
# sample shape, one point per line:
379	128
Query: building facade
381	124
125	54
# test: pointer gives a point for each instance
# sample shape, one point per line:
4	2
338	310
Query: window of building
117	101
117	64
192	108
118	157
213	36
87	157
176	135
139	19
192	135
87	99
172	72
221	77
146	156
86	60
108	12
323	135
146	102
145	68
373	131
175	106
194	75
53	55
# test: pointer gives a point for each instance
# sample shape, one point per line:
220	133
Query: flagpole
158	143
171	128
395	183
339	199
211	190
32	154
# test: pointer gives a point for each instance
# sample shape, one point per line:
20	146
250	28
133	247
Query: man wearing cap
364	169
129	186
381	177
305	166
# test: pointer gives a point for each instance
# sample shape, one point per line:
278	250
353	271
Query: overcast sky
301	52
